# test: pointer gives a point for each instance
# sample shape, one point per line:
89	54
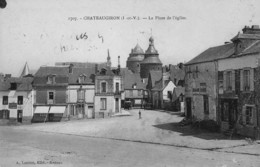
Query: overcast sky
37	31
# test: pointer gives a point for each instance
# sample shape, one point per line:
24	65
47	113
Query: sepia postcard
138	83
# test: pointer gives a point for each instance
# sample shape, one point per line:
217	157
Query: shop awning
57	109
41	110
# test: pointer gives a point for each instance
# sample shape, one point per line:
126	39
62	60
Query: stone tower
151	60
135	58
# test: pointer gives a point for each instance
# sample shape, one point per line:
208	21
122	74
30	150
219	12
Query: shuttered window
247	79
249	115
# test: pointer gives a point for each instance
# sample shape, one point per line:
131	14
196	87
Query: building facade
108	86
81	92
16	96
50	85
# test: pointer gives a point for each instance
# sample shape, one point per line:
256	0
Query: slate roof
137	50
214	53
151	60
154	76
64	72
130	79
246	36
177	92
23	84
253	48
77	72
176	72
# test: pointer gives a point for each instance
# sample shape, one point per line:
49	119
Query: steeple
108	59
25	70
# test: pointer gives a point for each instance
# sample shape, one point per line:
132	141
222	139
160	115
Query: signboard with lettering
13	105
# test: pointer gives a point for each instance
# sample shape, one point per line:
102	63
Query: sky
42	32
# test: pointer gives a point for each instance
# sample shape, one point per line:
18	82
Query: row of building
223	84
71	90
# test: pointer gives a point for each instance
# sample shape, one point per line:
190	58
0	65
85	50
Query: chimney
227	42
253	30
7	76
71	68
96	68
118	64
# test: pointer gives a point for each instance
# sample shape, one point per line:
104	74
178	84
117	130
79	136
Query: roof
151	60
214	53
48	70
154	76
23	84
136	58
77	72
64	72
137	50
246	36
131	79
253	48
176	72
177	92
151	49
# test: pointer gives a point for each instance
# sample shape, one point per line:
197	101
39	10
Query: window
131	93
229	80
82	79
249	115
246	80
206	104
81	95
103	102
139	92
117	87
20	100
197	72
51	80
103	87
5	100
13	86
4	114
50	97
169	95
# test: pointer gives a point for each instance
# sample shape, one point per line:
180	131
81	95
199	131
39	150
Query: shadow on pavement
195	132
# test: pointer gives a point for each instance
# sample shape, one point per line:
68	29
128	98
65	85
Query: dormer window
13	86
103	87
82	78
51	79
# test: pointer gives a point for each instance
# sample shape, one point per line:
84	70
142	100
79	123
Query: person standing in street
140	115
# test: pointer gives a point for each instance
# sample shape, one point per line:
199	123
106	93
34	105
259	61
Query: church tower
135	58
151	60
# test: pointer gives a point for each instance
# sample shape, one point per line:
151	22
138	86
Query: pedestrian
140	114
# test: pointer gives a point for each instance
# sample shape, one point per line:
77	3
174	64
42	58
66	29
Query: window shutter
252	79
225	81
244	114
254	117
233	80
241	80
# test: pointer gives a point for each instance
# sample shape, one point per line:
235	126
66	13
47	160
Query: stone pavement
155	127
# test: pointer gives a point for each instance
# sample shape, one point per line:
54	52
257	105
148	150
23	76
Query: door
19	115
117	105
229	111
188	105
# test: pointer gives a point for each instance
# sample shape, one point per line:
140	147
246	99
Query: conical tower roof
137	50
25	71
151	54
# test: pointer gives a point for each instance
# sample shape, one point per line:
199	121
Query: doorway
188	105
117	105
19	116
229	111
